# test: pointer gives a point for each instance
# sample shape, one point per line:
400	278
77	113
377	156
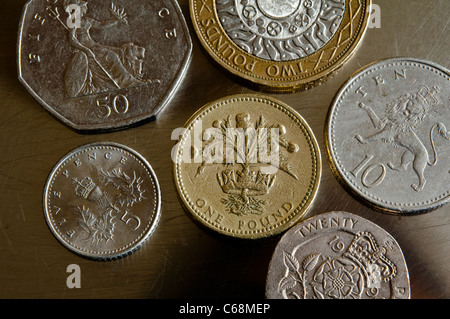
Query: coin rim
121	252
110	127
331	213
305	81
372	203
300	210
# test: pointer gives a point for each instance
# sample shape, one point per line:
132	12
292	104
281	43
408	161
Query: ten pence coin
387	135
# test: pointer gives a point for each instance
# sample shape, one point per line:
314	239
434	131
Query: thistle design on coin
102	201
387	135
98	228
99	225
244	185
130	191
337	255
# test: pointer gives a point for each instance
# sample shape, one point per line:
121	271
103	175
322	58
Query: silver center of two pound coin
279	8
280	30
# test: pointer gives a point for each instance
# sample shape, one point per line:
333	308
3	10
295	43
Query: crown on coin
254	183
84	187
428	96
365	251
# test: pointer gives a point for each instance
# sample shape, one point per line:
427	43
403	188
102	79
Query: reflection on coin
387	136
337	255
281	45
102	201
99	65
247	166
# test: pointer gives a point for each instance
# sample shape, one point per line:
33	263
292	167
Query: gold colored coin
280	46
247	166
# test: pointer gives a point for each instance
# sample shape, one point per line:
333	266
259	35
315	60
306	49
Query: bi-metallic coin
282	45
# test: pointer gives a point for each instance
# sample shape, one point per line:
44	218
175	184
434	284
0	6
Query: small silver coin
103	65
102	201
388	137
337	255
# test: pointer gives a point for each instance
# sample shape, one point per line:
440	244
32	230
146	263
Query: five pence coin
102	201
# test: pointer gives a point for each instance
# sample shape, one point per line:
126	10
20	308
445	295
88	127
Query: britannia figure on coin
101	65
96	67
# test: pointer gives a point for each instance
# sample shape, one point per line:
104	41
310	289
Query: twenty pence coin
337	255
247	166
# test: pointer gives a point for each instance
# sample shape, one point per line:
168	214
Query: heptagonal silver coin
102	201
103	65
337	255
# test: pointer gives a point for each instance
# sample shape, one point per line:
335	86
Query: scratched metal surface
181	260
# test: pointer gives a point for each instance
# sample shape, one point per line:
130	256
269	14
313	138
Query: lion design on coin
398	127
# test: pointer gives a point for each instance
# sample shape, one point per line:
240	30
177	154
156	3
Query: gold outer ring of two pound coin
279	76
245	198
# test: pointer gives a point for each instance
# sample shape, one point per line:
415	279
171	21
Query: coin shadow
115	129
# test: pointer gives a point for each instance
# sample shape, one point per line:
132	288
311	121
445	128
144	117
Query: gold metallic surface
181	260
247	199
273	76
